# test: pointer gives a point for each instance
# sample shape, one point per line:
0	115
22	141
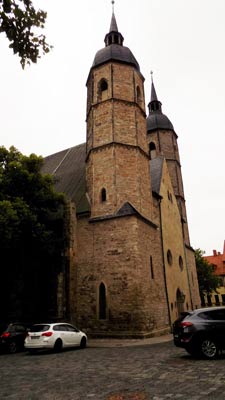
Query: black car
12	336
201	332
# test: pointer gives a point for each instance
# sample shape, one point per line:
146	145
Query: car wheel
58	345
13	347
83	342
209	348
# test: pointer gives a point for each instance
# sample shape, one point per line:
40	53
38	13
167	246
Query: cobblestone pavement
112	370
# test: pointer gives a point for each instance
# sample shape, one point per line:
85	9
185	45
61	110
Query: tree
32	234
207	280
21	23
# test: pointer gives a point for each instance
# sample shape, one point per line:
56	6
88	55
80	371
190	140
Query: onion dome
156	119
114	49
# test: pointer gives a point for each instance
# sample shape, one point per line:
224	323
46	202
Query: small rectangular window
223	298
151	268
217	300
209	300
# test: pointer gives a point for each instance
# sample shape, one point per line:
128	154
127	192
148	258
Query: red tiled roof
218	260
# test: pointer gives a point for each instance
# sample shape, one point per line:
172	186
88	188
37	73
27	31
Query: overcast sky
43	108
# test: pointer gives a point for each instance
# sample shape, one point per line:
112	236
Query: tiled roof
218	260
156	166
68	167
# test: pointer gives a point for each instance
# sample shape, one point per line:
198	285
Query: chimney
214	252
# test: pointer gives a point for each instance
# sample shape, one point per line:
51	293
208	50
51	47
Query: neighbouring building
217	259
130	268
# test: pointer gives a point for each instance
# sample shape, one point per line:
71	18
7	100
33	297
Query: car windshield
39	328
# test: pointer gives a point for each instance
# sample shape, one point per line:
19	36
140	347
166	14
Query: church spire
114	36
155	104
113	25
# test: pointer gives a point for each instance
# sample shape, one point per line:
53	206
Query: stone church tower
119	190
162	141
129	267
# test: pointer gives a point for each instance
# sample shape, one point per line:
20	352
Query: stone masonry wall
117	253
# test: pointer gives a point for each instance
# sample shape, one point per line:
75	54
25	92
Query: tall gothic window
152	150
102	301
139	98
103	194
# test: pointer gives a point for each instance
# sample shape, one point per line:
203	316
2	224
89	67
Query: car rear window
183	315
205	315
16	328
39	328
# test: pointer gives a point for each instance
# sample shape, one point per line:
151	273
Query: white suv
54	336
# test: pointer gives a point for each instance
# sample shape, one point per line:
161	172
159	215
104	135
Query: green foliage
21	23
28	202
32	230
207	280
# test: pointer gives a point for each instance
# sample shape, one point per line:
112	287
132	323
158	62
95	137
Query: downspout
164	268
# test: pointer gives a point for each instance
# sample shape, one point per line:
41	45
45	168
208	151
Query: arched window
102	89
139	98
181	263
102	301
103	195
152	150
116	39
169	257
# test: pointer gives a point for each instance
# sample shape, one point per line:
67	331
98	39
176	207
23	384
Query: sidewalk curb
107	342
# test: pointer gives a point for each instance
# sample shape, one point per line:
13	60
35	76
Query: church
129	266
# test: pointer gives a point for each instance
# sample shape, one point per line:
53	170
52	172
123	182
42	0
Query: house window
209	300
217	300
223	299
102	90
103	195
203	301
151	268
102	301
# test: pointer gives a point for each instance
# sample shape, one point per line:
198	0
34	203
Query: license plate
35	337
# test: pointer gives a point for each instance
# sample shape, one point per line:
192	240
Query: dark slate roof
115	52
158	120
68	167
156	166
153	93
126	209
114	49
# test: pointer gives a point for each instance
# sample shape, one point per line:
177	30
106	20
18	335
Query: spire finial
151	72
113	2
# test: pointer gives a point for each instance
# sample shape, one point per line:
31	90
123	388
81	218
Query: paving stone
105	371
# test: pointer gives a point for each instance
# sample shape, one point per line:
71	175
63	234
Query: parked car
201	332
54	336
12	336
